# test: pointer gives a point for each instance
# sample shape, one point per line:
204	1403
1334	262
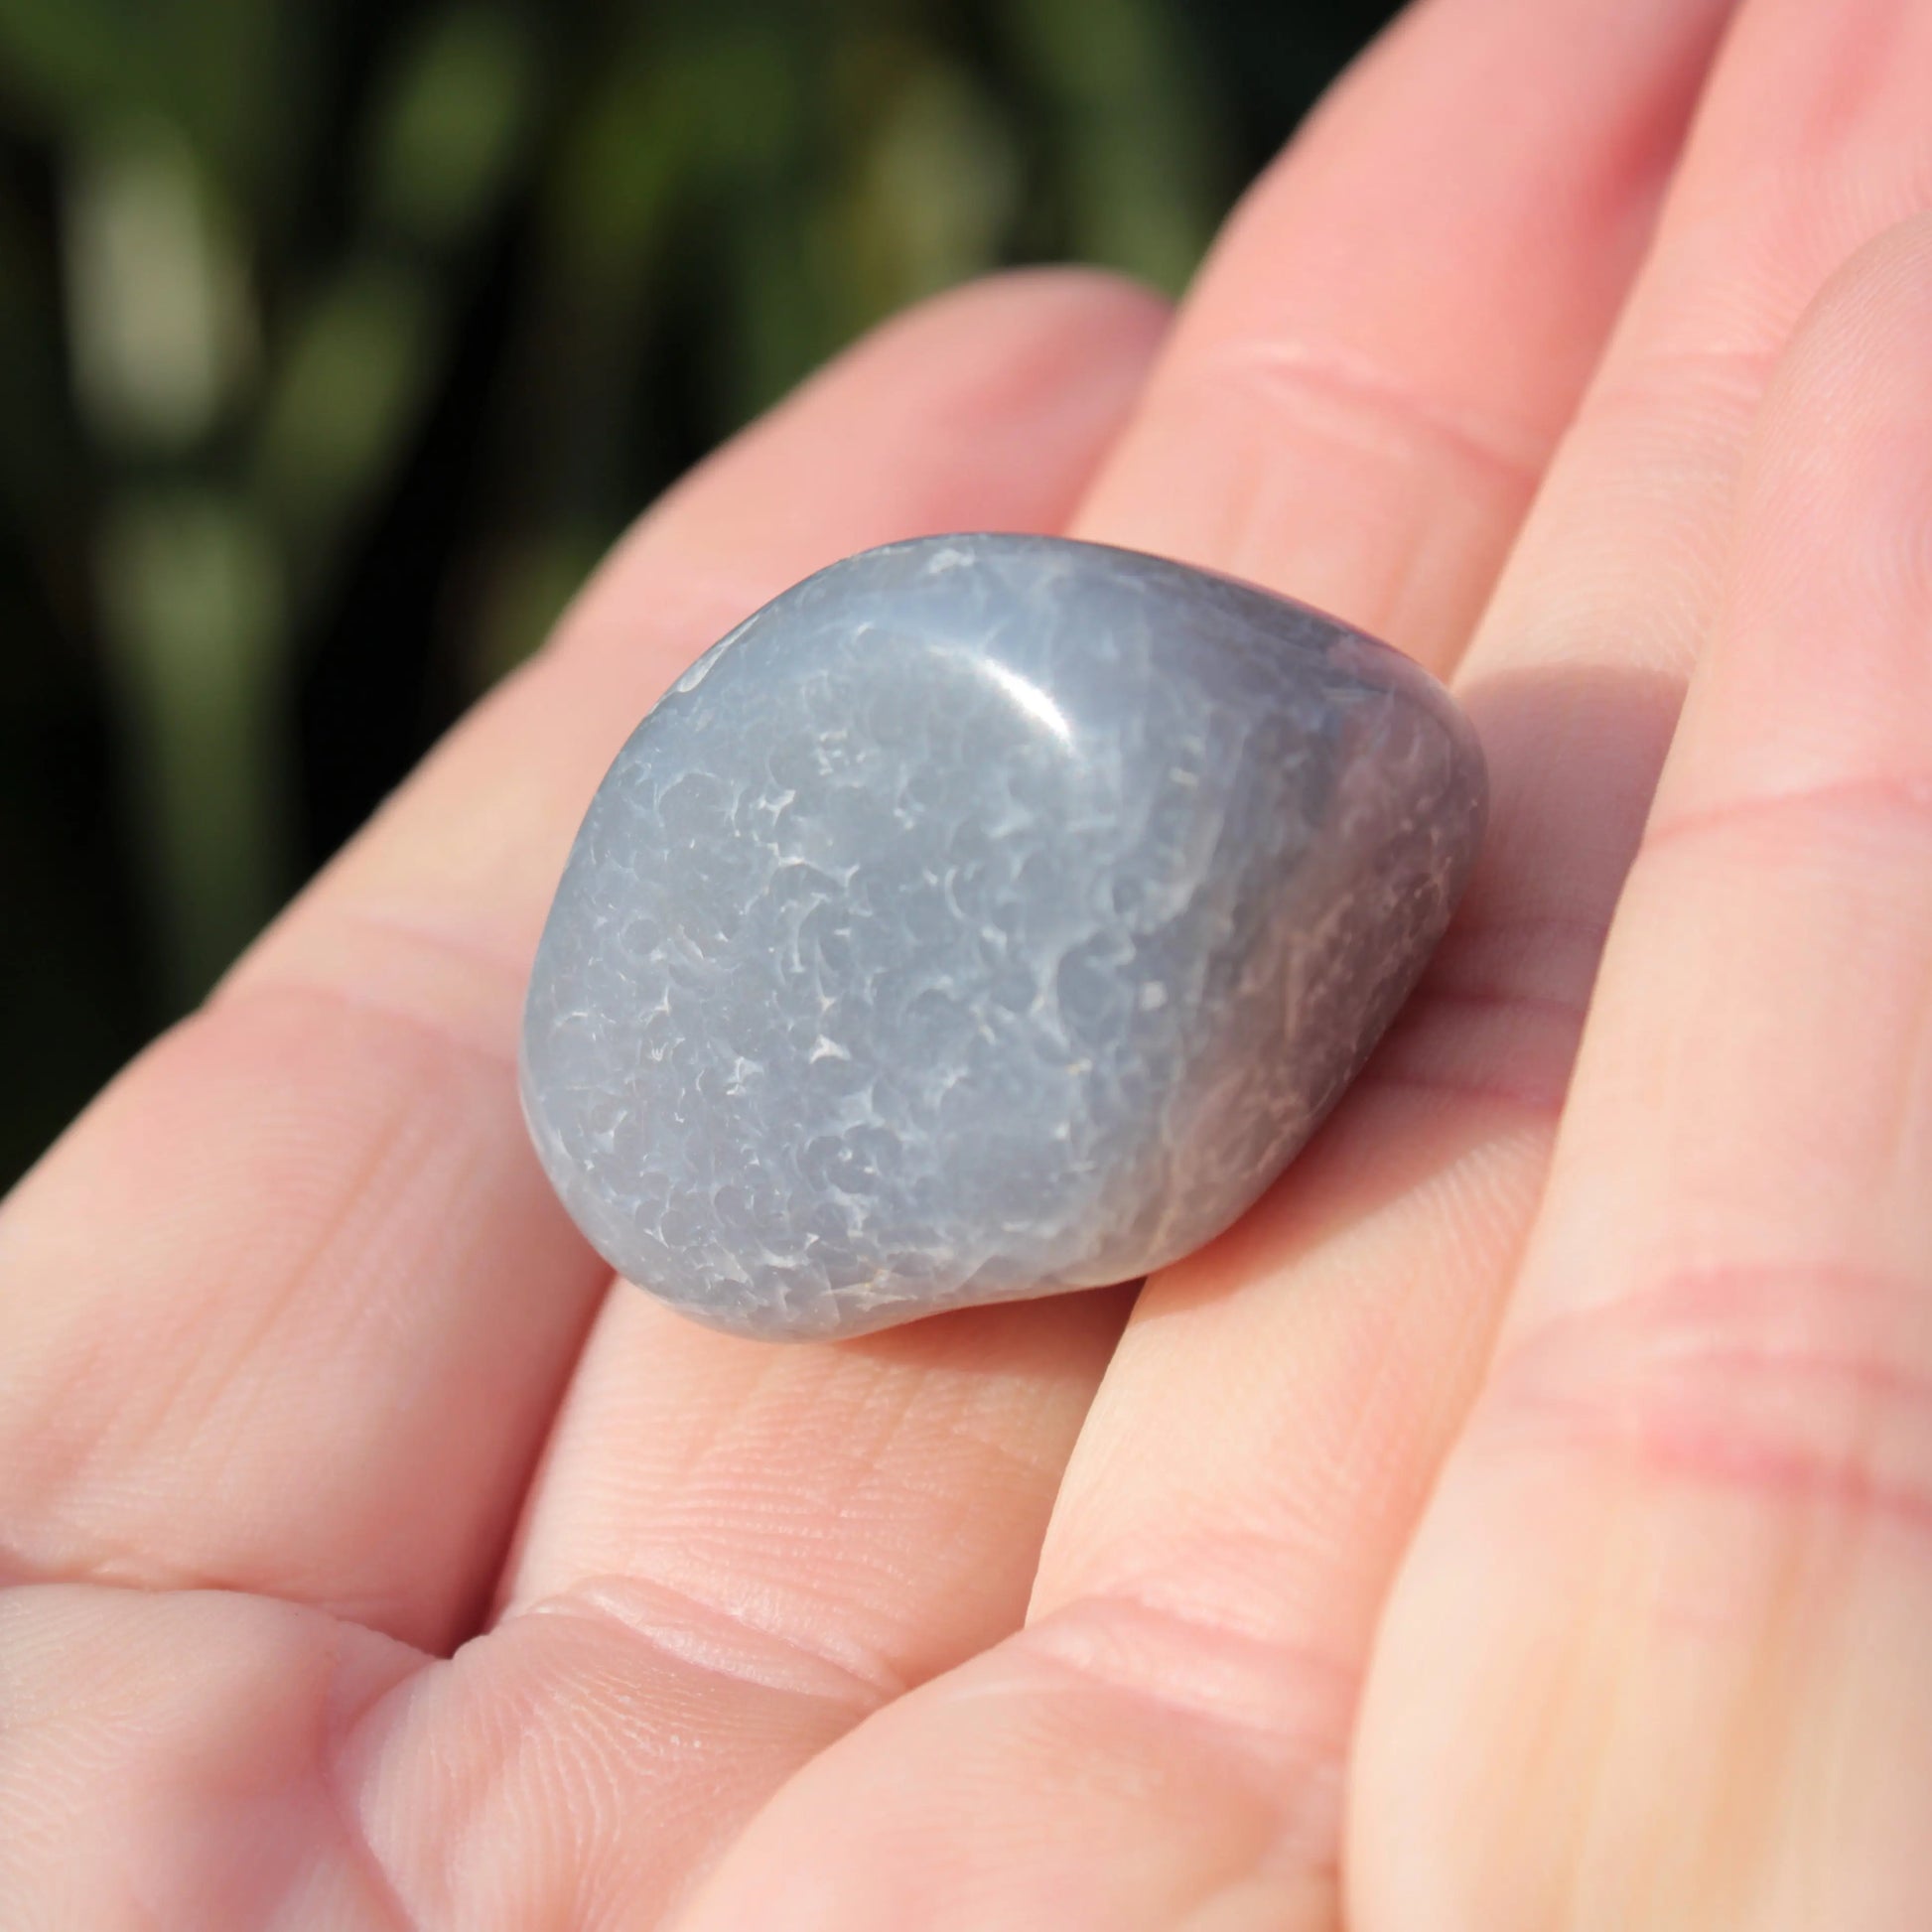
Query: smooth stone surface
987	915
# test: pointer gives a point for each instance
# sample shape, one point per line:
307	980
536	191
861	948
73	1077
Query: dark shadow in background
534	436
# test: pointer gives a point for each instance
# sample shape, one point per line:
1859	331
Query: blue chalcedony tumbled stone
987	915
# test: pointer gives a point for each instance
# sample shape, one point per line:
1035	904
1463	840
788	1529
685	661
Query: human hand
1604	1474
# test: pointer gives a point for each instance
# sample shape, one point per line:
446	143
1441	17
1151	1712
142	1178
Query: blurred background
337	340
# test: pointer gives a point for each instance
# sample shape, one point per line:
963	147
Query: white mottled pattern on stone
988	916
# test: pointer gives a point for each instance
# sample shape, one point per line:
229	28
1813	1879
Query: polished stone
987	915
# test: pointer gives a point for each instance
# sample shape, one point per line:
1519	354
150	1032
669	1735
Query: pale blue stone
987	915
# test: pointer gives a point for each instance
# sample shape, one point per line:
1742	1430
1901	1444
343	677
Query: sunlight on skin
308	1340
1686	1528
1270	1428
356	1269
1657	1656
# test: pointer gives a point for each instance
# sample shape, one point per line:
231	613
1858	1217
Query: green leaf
1141	170
450	125
348	394
66	60
191	603
163	331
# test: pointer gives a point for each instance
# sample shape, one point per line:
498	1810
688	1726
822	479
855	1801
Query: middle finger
1278	293
1278	1409
1339	383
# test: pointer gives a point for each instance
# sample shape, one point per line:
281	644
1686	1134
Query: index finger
290	1308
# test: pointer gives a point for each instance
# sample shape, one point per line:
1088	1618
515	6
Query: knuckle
1319	388
1499	1014
1804	1390
1274	1713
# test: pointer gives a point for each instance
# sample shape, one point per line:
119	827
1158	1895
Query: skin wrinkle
1731	1376
796	1616
1903	801
121	1573
1290	372
1433	1048
1539	1033
843	1674
1104	1641
1412	605
501	966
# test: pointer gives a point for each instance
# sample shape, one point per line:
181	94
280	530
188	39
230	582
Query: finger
291	1308
177	1761
1667	1614
1270	1428
880	1504
1124	1753
1364	390
1506	230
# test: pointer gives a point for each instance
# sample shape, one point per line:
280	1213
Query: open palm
1519	1522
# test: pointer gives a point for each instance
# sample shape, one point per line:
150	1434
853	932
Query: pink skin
1476	1538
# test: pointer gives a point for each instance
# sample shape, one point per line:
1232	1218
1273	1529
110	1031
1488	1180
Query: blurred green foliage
337	342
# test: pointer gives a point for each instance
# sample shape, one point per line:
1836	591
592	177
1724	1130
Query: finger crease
1797	1384
1279	1701
722	1637
1890	800
1291	373
486	1049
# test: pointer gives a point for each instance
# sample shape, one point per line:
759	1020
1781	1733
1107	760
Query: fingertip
988	406
1859	348
1054	353
1050	359
1054	307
